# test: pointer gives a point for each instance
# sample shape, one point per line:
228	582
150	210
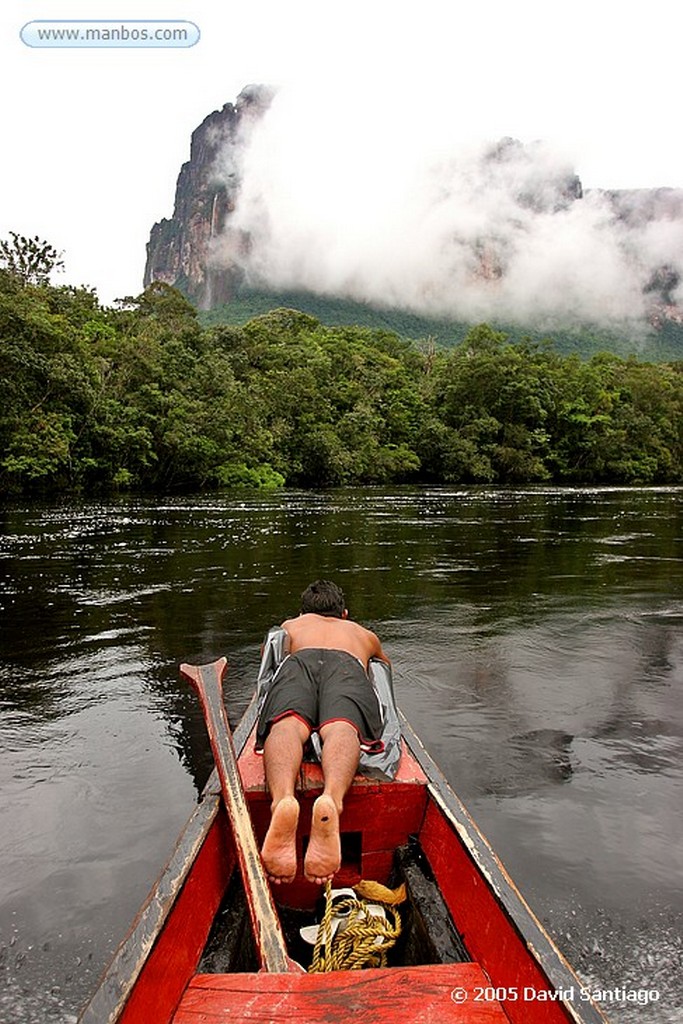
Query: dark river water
537	643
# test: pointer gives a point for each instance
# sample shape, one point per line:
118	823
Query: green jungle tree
30	260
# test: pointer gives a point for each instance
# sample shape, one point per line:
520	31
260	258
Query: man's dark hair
323	598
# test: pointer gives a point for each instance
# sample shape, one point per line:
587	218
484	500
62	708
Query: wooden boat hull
514	972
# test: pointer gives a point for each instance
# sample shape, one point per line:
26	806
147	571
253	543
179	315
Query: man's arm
378	651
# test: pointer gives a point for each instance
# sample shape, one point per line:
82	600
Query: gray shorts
318	686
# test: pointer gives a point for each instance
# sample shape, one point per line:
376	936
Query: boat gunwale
540	944
119	977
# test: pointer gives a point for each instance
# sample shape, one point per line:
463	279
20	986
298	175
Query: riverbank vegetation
144	397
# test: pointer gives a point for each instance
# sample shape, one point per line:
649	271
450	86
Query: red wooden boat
471	951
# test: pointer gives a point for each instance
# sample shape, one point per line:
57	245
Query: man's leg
282	755
341	752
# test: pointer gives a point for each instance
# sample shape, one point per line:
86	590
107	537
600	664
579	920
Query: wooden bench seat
409	995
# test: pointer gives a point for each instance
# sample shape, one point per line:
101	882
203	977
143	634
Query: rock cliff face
179	251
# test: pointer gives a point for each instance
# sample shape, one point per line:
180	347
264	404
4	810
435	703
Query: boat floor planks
413	995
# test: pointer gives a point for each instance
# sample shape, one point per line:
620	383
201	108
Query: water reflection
537	644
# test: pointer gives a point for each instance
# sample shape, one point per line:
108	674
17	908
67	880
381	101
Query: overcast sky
93	139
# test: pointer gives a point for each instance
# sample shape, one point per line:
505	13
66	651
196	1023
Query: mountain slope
666	344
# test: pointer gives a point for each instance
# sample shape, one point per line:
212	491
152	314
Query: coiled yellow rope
365	939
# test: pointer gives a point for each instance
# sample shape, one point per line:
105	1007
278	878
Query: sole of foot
278	852
323	856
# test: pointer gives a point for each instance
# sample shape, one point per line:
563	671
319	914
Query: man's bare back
339	634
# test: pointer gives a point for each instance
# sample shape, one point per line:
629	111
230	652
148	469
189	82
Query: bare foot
323	856
278	852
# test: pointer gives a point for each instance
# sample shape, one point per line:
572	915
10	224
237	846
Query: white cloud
402	210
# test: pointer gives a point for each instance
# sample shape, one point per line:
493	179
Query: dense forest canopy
143	397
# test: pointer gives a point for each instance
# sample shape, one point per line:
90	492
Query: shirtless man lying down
322	685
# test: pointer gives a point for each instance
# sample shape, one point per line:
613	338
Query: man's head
324	598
